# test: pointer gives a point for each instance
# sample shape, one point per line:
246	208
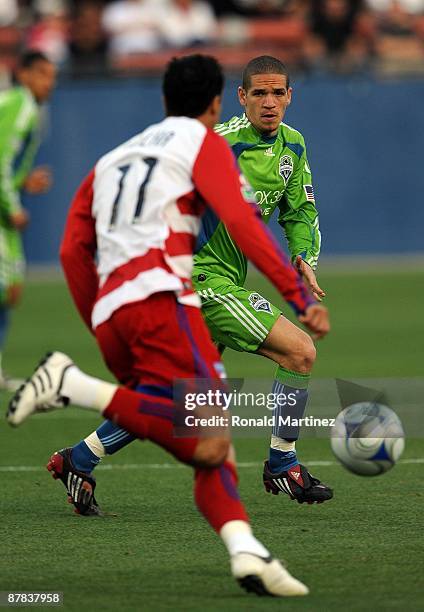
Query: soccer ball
367	438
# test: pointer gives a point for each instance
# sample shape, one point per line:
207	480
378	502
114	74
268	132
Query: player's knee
302	356
310	354
211	452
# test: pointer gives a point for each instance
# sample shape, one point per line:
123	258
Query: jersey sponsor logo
286	167
268	197
258	303
266	211
268	152
309	192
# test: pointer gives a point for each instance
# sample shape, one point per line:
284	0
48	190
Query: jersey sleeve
13	137
217	179
27	154
78	251
298	215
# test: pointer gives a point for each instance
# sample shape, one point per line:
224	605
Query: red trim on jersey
154	258
215	178
179	243
191	204
78	250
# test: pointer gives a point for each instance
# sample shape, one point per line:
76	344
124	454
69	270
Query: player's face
40	78
265	101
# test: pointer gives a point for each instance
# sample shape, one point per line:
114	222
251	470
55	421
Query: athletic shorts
158	340
149	344
12	261
236	317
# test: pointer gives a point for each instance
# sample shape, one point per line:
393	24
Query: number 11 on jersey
150	162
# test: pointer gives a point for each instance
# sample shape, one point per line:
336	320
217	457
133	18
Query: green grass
361	551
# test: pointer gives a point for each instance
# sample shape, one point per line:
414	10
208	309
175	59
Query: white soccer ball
368	438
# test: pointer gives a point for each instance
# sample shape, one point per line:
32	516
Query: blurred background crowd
94	37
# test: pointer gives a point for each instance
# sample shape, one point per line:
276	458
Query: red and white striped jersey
133	223
147	216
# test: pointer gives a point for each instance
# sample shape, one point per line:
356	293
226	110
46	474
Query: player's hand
309	277
38	181
316	319
19	220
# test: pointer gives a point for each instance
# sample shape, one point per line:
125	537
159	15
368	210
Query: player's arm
11	140
299	219
78	250
29	146
217	179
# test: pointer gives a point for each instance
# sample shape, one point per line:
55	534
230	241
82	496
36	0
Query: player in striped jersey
19	140
127	254
272	155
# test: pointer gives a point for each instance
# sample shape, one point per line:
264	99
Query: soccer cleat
265	576
79	485
42	391
297	483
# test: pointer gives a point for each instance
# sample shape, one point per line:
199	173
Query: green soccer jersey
19	139
278	171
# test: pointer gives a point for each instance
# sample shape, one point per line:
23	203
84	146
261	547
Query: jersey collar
262	139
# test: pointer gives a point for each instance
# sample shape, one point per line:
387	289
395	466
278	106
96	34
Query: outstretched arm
299	219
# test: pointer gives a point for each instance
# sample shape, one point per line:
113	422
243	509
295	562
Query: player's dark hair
190	84
28	58
264	64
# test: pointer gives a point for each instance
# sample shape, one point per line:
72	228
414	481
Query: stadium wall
364	138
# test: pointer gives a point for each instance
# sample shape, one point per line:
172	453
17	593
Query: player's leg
294	352
108	438
217	498
152	417
246	321
11	282
76	464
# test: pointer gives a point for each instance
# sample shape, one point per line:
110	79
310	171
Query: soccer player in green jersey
273	158
19	140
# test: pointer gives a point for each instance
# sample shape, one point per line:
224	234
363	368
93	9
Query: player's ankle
280	460
83	459
238	537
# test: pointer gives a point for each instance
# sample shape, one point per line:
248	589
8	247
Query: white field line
162	466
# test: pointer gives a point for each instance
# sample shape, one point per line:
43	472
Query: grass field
362	551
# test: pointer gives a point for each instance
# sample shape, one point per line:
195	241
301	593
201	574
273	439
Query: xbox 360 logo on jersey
257	302
286	167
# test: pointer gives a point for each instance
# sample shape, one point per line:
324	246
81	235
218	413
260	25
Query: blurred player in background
127	254
19	141
272	156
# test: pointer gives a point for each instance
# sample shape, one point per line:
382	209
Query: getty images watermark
226	400
210	407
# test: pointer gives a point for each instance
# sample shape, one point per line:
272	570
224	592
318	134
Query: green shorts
237	318
12	261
